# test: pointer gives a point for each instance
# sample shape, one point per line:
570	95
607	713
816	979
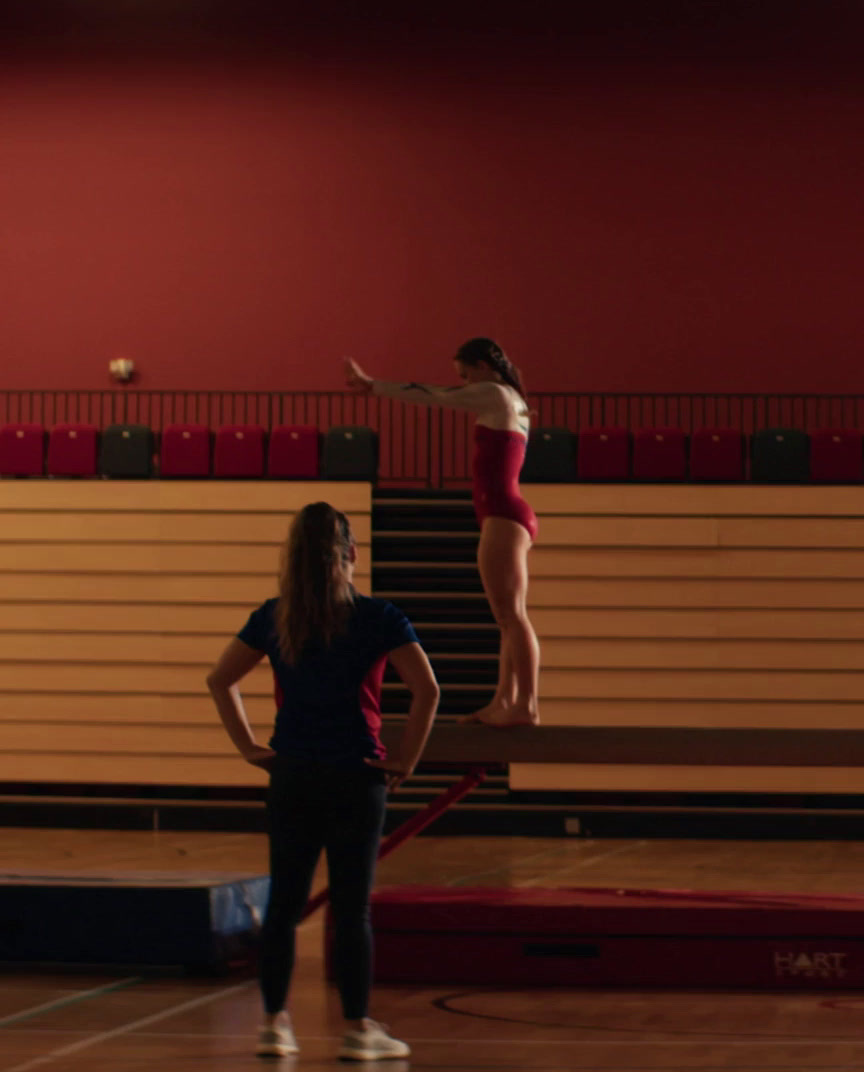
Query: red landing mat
608	937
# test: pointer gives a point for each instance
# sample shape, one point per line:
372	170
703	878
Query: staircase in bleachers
424	547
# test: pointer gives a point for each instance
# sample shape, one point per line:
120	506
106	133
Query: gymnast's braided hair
480	349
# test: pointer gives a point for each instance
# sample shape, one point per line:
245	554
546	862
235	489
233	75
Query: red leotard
498	457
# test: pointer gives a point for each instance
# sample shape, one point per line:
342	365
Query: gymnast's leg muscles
505	692
502	558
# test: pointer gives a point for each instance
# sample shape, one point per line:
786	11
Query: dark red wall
618	226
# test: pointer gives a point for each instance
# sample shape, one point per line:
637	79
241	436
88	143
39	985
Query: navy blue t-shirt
329	701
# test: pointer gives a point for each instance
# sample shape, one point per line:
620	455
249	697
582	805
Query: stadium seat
126	451
294	452
836	456
22	450
72	450
550	457
717	454
186	451
239	451
659	454
351	453
603	454
780	456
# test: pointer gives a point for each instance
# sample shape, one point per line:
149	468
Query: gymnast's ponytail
315	591
476	350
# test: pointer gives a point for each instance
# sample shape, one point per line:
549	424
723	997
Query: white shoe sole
276	1051
371	1055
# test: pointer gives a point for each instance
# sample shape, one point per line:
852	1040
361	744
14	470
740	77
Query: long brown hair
481	349
315	593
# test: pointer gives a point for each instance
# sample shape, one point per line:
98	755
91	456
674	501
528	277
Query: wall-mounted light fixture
122	369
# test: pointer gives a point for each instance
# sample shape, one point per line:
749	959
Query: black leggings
342	811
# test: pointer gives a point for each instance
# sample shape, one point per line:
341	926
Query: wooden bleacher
659	608
699	607
115	599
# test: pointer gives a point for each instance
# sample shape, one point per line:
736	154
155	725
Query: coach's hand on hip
394	769
260	757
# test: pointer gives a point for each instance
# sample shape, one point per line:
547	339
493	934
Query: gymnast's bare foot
490	712
504	715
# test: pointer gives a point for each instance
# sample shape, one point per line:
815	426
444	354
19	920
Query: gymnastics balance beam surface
461	744
477	748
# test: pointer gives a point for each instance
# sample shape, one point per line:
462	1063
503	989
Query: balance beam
472	745
478	747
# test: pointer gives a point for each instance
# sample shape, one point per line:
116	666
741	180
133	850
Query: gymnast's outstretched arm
481	398
474	397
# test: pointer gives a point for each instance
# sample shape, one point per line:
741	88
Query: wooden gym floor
122	1022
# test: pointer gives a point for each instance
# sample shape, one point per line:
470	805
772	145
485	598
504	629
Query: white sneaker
276	1041
372	1044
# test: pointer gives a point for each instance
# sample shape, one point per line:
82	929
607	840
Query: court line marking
103	1036
581	865
73	999
583	1042
518	862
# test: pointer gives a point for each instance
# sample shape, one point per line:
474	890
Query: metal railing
420	446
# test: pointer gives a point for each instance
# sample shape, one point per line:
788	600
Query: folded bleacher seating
239	451
351	453
294	452
186	451
836	456
72	450
126	452
717	454
550	457
603	454
780	456
22	450
659	454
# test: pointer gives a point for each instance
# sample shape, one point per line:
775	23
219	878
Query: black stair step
449	642
454	701
423	495
437	517
453	674
424	546
420	608
418	577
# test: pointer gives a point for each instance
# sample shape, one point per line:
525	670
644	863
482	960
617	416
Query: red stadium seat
186	450
603	454
72	450
717	454
22	450
836	456
294	452
659	454
239	451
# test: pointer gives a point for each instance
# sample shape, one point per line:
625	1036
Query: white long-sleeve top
496	405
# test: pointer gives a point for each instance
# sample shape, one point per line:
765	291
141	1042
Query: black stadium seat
351	453
550	457
126	451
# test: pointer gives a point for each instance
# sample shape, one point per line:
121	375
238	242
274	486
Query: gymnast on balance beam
493	391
